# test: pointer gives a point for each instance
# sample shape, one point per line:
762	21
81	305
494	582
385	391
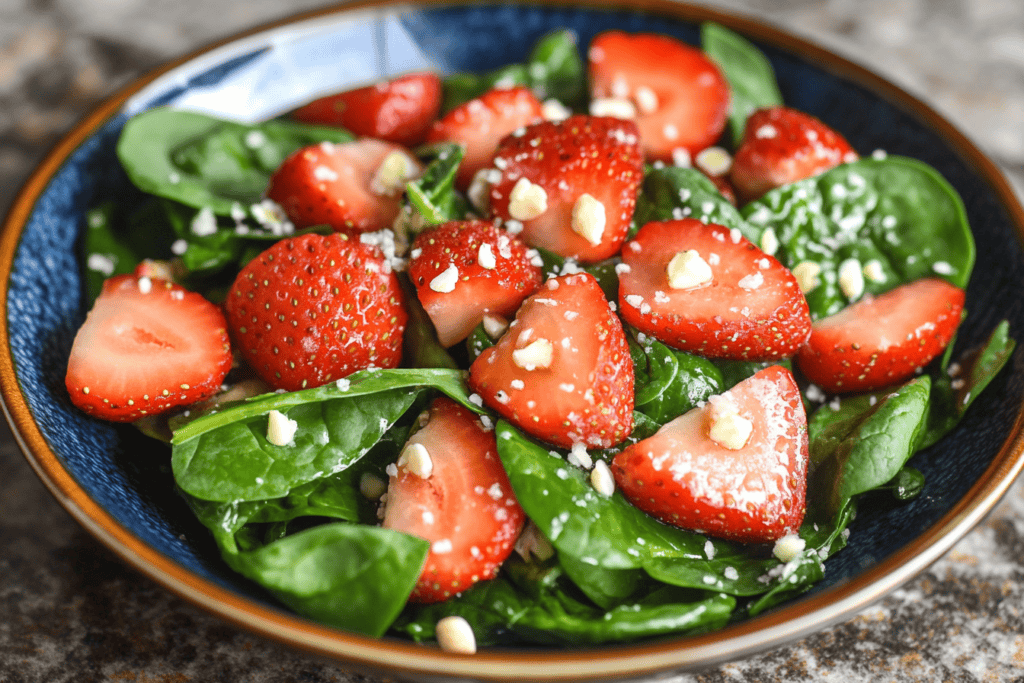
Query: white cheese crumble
479	192
536	354
445	281
688	269
485	257
494	325
617	107
873	271
601	479
681	158
769	242
280	428
851	279
553	110
715	160
588	218
416	459
728	428
527	200
393	172
788	548
751	281
646	99
806	274
204	223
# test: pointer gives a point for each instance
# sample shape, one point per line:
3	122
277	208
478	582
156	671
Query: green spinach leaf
202	161
751	78
673	193
897	214
670	382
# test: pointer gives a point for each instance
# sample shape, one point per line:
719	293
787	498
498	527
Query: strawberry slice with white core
562	371
353	187
734	468
465	270
482	122
706	289
449	487
880	341
677	96
572	184
147	346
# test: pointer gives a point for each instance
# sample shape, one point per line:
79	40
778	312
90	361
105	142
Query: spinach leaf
106	252
224	456
433	194
554	69
864	442
605	587
477	341
751	78
953	395
673	193
348	576
420	345
202	161
895	211
550	614
669	382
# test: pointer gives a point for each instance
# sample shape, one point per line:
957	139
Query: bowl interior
267	73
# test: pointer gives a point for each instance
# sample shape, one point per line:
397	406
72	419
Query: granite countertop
70	611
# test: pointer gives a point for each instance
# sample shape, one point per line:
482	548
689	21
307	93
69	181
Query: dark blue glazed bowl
118	484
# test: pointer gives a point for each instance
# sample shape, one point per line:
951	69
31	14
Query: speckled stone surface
70	611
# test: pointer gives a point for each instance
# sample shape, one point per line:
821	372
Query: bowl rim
393	656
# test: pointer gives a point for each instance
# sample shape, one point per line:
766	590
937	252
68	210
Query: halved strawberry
734	468
355	187
782	145
562	371
463	270
679	97
316	308
706	289
880	341
147	346
480	123
400	110
450	488
572	184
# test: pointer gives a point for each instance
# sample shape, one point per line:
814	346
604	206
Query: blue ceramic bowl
118	484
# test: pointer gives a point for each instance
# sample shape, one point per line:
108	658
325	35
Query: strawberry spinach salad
448	349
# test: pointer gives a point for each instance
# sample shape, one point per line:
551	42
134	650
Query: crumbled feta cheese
393	172
553	110
416	459
145	285
479	192
536	354
485	257
204	223
588	218
646	99
851	279
715	160
728	428
578	456
445	281
942	268
769	242
494	325
280	428
681	158
688	269
601	479
806	274
527	200
788	548
751	281
873	271
104	263
617	107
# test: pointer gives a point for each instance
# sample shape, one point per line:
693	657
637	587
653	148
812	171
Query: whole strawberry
316	308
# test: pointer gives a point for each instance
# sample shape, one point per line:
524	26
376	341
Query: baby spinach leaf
477	341
225	456
670	382
554	69
895	211
106	252
348	576
673	193
202	161
420	345
751	78
433	194
865	442
605	587
953	395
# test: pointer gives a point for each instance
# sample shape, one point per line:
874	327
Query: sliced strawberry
562	372
730	299
463	270
735	468
316	308
147	346
355	187
480	123
400	110
450	488
880	341
680	98
782	145
572	184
